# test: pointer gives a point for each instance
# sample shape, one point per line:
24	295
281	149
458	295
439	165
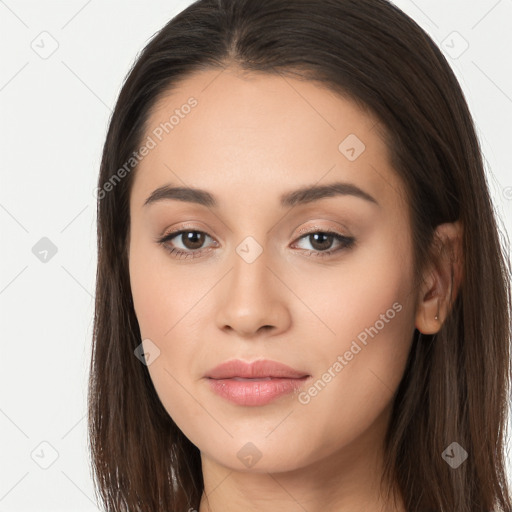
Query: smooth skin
250	139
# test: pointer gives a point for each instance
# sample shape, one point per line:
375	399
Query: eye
322	242
193	241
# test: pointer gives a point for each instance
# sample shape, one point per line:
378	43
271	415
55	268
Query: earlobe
442	280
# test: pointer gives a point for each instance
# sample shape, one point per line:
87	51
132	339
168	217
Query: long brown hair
456	383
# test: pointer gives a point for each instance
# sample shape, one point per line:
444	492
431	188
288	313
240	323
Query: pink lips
256	383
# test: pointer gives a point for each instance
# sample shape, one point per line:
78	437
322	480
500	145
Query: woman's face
257	276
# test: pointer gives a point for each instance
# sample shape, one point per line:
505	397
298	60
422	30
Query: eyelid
185	227
315	228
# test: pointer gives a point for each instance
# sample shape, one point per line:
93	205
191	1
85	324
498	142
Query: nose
253	299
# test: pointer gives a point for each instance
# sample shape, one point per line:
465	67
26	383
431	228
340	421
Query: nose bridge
250	269
252	298
250	282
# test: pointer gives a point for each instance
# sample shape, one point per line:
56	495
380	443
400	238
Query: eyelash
345	241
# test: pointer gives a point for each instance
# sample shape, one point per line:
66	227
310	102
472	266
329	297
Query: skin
251	138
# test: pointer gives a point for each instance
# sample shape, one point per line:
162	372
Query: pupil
325	236
191	243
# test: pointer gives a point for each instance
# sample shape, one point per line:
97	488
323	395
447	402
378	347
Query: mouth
254	384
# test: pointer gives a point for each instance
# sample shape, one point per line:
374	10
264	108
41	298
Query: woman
302	302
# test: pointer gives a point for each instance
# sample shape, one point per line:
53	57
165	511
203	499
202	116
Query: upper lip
261	368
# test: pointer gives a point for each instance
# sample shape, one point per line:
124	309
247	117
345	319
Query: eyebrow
302	195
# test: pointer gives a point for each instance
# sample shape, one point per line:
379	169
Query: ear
442	278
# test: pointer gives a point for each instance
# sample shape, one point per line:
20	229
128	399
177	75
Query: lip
269	380
257	369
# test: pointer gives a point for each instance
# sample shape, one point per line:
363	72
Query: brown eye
321	241
192	240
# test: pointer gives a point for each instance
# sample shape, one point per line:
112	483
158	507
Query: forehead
225	131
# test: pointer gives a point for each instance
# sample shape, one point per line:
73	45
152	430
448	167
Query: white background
53	119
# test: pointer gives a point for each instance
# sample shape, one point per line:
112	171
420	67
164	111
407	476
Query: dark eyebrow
302	195
315	192
188	194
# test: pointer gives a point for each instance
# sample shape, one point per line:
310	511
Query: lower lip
255	392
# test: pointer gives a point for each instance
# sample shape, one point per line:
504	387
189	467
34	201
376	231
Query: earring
437	316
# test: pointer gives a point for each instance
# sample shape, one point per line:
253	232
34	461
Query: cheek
167	306
370	319
350	298
163	292
378	311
